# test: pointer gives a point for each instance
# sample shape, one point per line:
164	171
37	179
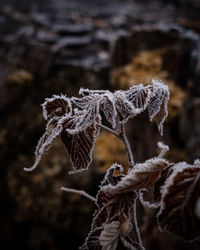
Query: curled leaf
157	107
179	201
143	175
56	106
111	224
53	130
112	221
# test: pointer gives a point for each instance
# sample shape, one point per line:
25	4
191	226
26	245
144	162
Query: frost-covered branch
78	121
108	129
127	145
164	148
135	226
80	192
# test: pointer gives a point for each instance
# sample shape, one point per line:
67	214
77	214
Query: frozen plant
78	122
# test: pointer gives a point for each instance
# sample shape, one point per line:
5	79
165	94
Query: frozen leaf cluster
176	197
138	98
176	187
79	127
113	223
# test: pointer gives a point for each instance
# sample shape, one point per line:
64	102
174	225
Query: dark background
51	47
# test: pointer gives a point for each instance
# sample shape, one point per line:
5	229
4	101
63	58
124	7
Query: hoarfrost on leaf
53	130
82	121
157	107
108	107
124	107
139	96
86	101
178	199
79	145
85	92
143	175
112	221
56	106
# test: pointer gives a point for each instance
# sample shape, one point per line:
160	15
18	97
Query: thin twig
80	192
135	225
127	145
108	129
134	243
123	138
164	148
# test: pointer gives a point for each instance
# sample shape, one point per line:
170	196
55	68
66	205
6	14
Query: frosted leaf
143	175
109	178
110	223
56	106
92	240
108	107
160	182
146	203
79	145
83	120
139	96
124	108
179	196
109	236
113	219
53	130
89	114
85	92
96	100
86	101
157	107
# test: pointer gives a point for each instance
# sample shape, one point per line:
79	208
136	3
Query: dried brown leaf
56	106
143	175
79	145
179	201
112	221
157	107
139	96
124	108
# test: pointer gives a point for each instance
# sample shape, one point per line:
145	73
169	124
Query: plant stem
135	225
164	148
127	145
123	138
108	129
80	192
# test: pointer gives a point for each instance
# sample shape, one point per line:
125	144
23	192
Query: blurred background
51	47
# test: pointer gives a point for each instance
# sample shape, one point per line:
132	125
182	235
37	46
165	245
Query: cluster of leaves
80	126
176	186
176	198
113	221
